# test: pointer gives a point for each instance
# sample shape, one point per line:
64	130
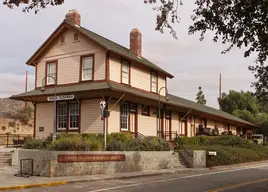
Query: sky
193	63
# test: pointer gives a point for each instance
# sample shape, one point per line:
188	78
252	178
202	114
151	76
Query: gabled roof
102	41
173	100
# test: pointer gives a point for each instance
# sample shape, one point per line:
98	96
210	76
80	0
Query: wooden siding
162	83
115	68
90	116
140	78
114	119
44	118
147	125
68	56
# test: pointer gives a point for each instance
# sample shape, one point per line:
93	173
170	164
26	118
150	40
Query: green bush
123	137
227	140
138	145
33	144
75	143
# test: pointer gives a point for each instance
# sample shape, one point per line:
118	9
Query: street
246	180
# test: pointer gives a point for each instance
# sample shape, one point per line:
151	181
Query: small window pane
62	39
74	115
153	82
51	72
125	72
61	116
87	64
76	37
124	116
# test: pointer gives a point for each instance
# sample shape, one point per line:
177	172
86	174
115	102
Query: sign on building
60	97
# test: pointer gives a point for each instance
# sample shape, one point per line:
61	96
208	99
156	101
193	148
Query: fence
12	140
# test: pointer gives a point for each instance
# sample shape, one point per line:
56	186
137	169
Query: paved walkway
8	179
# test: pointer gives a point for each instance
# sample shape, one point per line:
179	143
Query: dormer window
76	37
125	72
153	82
87	63
62	39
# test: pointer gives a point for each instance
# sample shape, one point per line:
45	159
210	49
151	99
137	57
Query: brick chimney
73	16
135	42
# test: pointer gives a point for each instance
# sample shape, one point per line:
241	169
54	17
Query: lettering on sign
60	97
91	158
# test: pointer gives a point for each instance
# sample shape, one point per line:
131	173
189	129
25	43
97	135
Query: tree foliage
200	97
239	101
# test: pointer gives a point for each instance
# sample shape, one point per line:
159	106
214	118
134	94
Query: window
145	110
51	72
62	39
125	72
168	114
68	116
87	68
154	82
74	115
76	37
124	116
62	116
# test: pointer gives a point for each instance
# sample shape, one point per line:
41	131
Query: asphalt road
247	180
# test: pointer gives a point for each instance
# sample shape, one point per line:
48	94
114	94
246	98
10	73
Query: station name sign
60	97
91	158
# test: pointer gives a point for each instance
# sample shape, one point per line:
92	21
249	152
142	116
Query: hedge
94	142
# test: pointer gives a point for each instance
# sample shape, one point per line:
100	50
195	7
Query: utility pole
220	95
26	87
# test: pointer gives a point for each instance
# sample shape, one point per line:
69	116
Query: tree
244	101
241	24
200	97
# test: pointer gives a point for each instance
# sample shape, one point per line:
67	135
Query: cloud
193	63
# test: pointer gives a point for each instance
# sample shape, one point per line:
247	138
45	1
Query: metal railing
13	140
168	135
138	135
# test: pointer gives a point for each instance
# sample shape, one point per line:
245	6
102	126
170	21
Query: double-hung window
154	82
124	116
125	72
51	72
87	63
68	116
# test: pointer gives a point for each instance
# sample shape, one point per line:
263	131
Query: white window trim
127	128
49	74
61	129
126	64
153	74
73	128
92	67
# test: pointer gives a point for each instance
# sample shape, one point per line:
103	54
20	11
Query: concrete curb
33	185
80	181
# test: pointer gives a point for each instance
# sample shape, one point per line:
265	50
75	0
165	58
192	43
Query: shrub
138	145
23	118
33	144
75	143
123	137
12	123
227	141
3	128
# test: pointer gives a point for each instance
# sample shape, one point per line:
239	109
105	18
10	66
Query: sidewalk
9	181
14	182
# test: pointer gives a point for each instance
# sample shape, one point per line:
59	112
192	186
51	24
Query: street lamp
167	99
55	103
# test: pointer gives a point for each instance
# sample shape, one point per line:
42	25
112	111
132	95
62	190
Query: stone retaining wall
194	158
45	163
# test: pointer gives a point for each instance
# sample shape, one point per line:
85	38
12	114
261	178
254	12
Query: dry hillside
13	119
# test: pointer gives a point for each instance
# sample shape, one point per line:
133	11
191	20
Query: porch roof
173	100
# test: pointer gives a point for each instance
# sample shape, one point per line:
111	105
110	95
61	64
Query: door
133	124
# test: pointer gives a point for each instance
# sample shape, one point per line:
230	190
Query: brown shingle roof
174	100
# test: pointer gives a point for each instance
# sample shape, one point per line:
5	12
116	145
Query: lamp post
55	103
159	114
